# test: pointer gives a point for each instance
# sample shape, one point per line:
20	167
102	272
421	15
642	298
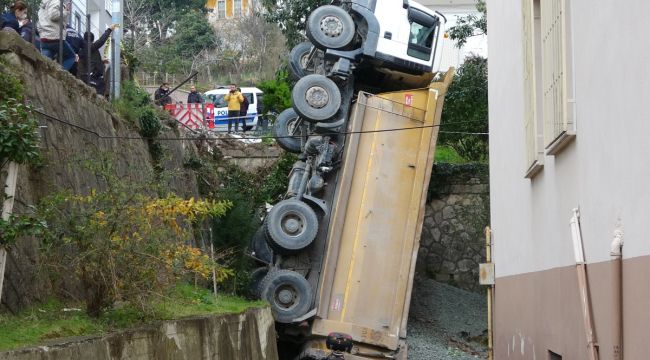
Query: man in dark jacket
161	96
194	97
95	76
76	43
243	111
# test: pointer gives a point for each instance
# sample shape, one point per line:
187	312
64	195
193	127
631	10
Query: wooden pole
7	208
214	269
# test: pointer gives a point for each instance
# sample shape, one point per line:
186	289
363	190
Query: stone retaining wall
246	336
457	211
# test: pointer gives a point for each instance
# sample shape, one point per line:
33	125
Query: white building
100	15
569	129
452	10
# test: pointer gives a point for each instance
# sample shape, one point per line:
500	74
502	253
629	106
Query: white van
254	96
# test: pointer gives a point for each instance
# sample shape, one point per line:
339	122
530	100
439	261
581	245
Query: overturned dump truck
338	253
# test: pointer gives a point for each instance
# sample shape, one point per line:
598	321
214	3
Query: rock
435	233
437	204
466	265
448	213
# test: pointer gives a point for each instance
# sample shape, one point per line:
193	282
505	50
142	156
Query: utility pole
115	50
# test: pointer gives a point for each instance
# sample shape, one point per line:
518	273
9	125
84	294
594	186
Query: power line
111	137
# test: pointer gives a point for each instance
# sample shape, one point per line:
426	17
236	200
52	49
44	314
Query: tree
470	25
466	110
290	16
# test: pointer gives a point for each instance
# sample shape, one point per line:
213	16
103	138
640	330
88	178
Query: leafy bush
248	193
19	139
123	244
150	125
277	93
466	108
10	86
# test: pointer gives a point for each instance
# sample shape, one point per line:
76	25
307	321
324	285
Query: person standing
95	75
76	42
194	97
234	99
243	111
11	19
161	96
49	23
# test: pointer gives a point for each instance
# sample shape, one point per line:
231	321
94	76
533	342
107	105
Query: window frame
221	15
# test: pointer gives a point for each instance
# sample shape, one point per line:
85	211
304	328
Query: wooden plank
7	208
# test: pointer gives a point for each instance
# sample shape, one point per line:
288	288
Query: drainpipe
583	284
616	254
488	259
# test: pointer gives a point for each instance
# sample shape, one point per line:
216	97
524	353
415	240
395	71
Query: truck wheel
298	60
257	276
286	126
291	226
330	27
316	98
260	247
289	294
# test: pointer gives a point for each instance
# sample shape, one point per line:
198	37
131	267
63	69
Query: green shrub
150	125
277	93
10	86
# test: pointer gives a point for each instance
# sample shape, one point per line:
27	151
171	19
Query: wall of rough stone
246	336
63	96
457	211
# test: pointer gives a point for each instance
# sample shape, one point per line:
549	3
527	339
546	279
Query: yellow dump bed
378	210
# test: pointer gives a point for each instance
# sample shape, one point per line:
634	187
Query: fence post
88	50
61	22
7	208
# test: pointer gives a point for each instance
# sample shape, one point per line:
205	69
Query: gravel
446	323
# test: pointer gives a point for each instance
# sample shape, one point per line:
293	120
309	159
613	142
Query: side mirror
405	4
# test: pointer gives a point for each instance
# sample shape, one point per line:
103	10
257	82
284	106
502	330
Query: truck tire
291	226
254	286
316	98
330	27
298	58
286	124
289	294
260	247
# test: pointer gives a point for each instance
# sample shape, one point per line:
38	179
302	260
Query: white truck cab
386	45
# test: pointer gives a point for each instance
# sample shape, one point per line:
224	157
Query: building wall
603	172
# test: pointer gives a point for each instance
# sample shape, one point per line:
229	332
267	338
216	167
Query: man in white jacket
49	23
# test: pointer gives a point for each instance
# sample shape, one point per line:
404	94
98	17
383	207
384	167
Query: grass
52	320
447	154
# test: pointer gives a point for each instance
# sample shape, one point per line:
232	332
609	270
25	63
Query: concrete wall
603	172
61	95
246	336
453	242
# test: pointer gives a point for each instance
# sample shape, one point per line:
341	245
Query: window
77	22
548	109
237	7
221	9
533	121
554	356
423	29
558	124
108	6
